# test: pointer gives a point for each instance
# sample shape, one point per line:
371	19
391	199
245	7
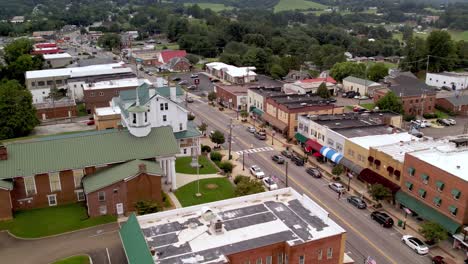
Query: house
282	112
17	20
452	80
148	57
177	64
166	55
256	98
457	104
310	85
294	75
51	171
59	60
362	86
257	228
232	96
230	73
435	183
417	97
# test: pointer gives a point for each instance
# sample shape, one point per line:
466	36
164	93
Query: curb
85	254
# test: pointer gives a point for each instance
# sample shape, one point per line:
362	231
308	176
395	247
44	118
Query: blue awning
331	154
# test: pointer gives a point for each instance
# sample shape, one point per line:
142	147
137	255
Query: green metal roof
7	185
81	150
301	138
427	212
453	209
137	109
166	91
191	132
106	177
360	81
134	242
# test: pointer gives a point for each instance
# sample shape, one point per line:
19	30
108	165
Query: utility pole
243	166
230	139
427	64
286	172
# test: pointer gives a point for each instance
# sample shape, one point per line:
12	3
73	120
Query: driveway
101	243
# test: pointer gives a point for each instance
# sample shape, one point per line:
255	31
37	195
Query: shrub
338	170
226	166
240	178
248	186
430	115
206	149
408	118
147	207
216	156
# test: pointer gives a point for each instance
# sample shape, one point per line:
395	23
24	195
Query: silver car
337	187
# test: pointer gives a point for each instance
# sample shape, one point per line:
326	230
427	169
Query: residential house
294	75
362	86
17	20
452	80
60	60
230	73
457	104
417	97
147	57
166	56
256	228
177	64
310	85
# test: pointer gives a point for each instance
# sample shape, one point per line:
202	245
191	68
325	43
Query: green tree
18	116
147	207
246	186
415	53
433	231
323	91
377	71
226	166
341	70
203	127
217	137
194	59
109	41
16	69
379	192
338	170
441	47
17	48
390	102
212	96
276	71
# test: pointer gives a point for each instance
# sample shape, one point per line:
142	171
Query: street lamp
272	137
195	164
286	172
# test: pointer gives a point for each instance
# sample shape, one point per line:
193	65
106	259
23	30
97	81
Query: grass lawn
285	5
459	35
441	114
183	166
74	260
213	189
212	6
368	106
51	221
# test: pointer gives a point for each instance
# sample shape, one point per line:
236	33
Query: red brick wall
412	104
58	112
5	205
224	96
182	66
444	103
93	98
435	174
142	187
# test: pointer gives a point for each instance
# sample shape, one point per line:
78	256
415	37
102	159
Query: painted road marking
108	256
255	150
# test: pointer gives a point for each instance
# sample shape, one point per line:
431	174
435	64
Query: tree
390	102
341	70
17	48
338	170
246	186
147	207
16	69
194	59
226	166
109	41
191	117
441	47
276	71
203	127
433	231
217	137
244	114
212	96
379	192
18	115
377	72
323	91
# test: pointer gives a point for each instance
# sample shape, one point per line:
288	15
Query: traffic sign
196	81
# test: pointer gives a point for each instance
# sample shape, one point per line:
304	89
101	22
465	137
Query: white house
310	85
230	73
362	86
458	80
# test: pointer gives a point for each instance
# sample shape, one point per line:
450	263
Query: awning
310	143
456	193
424	177
440	185
301	138
331	154
373	177
351	165
317	154
274	122
256	111
426	212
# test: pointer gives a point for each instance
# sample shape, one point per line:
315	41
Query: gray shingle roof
458	101
404	85
360	81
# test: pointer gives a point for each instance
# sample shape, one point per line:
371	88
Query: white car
337	187
415	244
251	129
452	121
270	184
257	172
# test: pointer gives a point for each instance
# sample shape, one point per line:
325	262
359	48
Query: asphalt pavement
364	237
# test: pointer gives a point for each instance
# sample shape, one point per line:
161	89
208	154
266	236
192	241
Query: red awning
310	143
372	177
317	154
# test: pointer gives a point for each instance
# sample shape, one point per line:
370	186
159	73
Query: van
382	218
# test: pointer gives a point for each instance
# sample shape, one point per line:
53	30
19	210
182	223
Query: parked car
331	100
314	172
337	187
299	161
215	80
192	87
356	201
278	159
176	79
251	129
260	135
90	122
257	172
446	88
443	122
452	121
183	82
190	99
286	153
363	97
415	244
194	75
269	183
382	218
438	260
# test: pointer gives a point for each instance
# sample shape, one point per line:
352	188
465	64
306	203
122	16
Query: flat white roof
248	222
119	83
397	151
57	56
447	157
232	70
68	71
104	111
98	71
380	140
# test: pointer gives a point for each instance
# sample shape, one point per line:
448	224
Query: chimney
3	152
173	93
142	168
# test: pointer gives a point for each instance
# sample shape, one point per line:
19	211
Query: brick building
51	171
457	104
63	108
232	96
274	227
435	184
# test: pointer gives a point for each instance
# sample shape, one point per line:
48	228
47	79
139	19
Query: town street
364	236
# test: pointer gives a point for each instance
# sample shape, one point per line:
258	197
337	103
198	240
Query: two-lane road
364	236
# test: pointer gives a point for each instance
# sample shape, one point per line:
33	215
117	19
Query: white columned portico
166	170
173	173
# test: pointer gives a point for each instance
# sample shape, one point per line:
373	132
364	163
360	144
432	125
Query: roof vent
337	124
458	166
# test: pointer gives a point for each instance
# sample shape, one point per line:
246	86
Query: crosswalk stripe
255	150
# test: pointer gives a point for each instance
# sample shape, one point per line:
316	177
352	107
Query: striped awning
331	154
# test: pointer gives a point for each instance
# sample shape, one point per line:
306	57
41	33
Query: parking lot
443	131
205	84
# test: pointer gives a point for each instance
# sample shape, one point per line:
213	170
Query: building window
54	180
280	258
440	186
331	143
40	83
437	201
52	199
411	101
166	106
453	210
161	106
185	151
429	107
164	118
146	117
269	260
101	93
49	82
409	185
80	196
77	176
411	171
103	209
422	193
101	196
425	178
319	254
181	126
91	94
259	261
30	185
339	147
456	194
329	253
58	82
134	118
301	259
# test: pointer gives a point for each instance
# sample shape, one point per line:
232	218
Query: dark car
331	100
286	153
190	100
382	218
278	159
260	135
297	160
351	94
314	172
176	79
356	201
443	122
